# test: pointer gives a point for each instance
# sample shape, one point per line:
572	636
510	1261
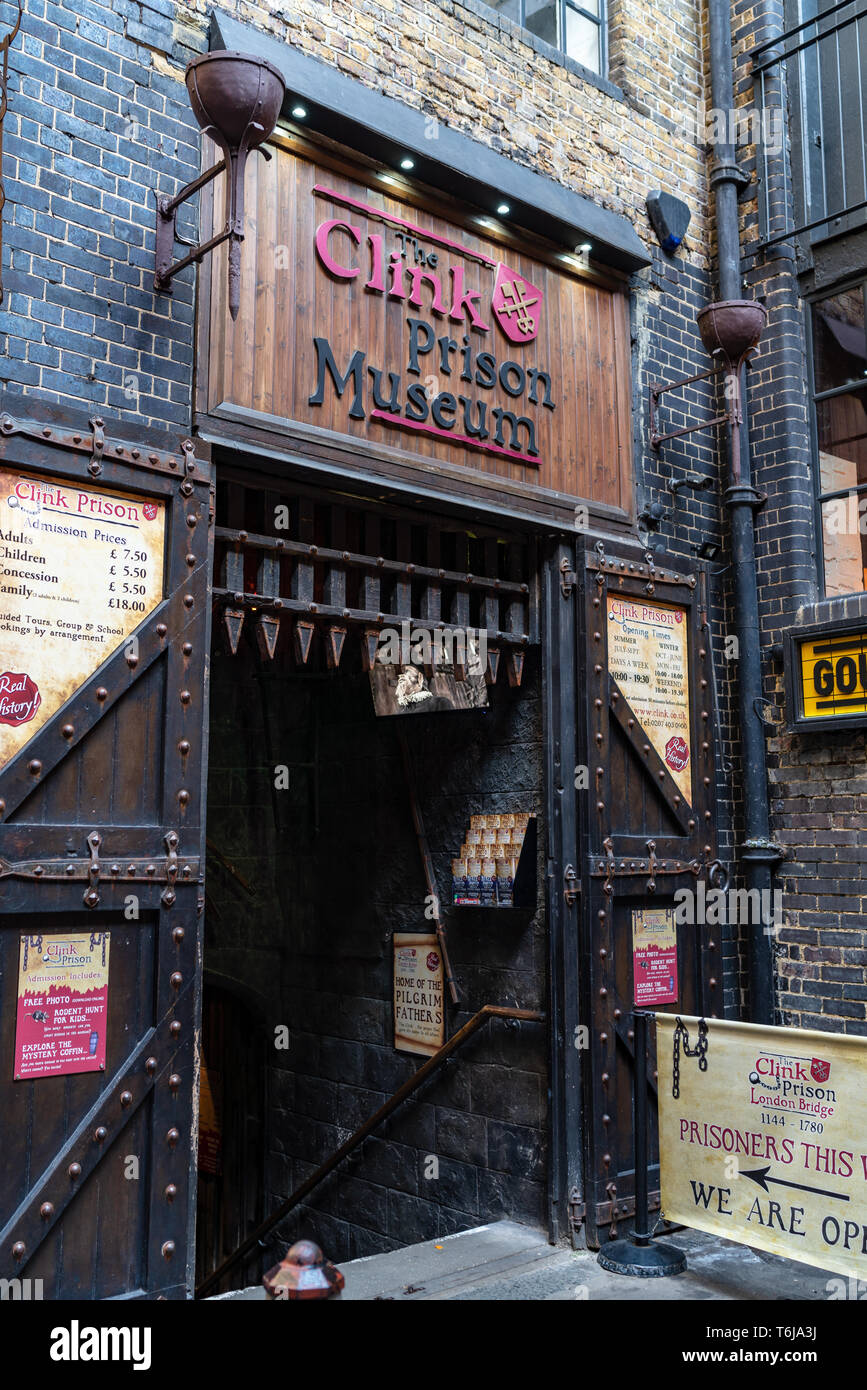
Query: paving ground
505	1261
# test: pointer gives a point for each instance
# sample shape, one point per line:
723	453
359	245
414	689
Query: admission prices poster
768	1146
80	568
647	656
62	1004
419	1001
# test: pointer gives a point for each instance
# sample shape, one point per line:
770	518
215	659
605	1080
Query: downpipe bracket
744	494
759	851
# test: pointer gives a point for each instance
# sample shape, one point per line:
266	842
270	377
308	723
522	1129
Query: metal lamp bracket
234	164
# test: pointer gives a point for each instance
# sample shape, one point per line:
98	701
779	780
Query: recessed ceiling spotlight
407	163
299	112
503	209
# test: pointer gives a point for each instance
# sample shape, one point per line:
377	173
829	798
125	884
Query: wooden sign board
379	324
419	994
768	1145
81	567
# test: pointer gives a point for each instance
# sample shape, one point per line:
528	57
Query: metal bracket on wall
4	102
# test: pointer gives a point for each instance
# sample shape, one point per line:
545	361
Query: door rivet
178	935
126	1098
171	1192
168	1249
174	1081
100	1133
74	1170
102	693
176	979
172	1137
68	731
174	1028
18	1250
184	747
185	697
151	1065
161	629
46	1211
34	767
187	649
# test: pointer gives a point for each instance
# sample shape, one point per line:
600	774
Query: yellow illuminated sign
834	675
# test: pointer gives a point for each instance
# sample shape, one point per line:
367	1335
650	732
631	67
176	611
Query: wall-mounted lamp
236	100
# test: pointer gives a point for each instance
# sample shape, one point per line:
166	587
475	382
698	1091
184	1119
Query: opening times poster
80	568
647	656
62	1005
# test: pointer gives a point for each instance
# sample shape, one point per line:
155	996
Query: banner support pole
639	1254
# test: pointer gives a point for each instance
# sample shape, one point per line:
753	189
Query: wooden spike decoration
515	667
233	620
334	646
493	665
303	639
369	645
267	632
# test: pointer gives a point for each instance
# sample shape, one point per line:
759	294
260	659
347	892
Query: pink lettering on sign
323	232
19	698
677	753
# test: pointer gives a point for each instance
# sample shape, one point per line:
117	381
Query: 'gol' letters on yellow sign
834	676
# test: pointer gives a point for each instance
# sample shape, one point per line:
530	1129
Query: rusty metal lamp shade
732	327
303	1272
236	99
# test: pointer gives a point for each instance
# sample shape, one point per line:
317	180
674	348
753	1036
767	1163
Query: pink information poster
62	1004
654	955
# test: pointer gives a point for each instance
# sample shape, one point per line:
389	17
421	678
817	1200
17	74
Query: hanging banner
419	1001
763	1138
62	1005
647	656
80	568
654	956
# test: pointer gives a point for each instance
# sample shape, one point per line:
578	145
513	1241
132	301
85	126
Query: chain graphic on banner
681	1038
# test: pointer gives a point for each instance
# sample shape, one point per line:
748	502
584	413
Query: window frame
600	20
820	497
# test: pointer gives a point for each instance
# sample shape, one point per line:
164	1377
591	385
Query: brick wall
817	781
98	120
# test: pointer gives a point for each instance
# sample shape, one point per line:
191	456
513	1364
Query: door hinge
577	1209
571	885
568	578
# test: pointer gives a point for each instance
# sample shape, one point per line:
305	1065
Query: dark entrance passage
231	1154
314	863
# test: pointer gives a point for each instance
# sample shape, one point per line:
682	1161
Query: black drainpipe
758	854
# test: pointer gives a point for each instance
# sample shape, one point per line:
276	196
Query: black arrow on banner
760	1176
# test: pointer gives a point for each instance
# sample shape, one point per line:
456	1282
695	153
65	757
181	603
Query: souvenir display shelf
486	874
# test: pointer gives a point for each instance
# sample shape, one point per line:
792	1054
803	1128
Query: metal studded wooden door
647	724
103	661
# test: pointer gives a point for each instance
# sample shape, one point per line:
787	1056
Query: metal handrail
403	1093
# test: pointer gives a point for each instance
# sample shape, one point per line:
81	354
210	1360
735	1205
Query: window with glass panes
577	29
839	361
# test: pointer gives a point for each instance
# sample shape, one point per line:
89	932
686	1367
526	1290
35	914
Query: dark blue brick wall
98	122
